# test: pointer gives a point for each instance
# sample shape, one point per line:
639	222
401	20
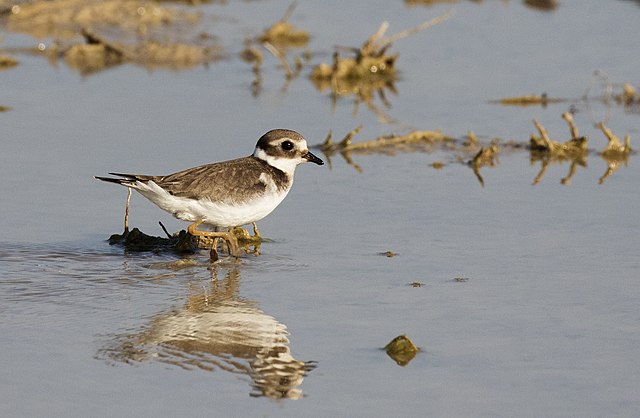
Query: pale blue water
546	325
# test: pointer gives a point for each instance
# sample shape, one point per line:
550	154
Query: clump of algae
402	350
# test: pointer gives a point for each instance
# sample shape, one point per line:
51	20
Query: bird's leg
126	212
231	240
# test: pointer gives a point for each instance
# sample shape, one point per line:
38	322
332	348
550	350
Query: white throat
288	165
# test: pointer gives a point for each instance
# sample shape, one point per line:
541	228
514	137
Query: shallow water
543	319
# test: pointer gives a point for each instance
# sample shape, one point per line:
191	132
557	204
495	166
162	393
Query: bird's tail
128	180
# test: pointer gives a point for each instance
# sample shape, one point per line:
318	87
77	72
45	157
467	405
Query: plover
229	193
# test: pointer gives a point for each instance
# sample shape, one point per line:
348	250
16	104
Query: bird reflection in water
217	329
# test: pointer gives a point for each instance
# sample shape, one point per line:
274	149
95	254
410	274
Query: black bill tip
313	159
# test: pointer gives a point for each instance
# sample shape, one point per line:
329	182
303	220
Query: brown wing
219	181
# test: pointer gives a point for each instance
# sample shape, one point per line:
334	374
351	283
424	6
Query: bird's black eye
287	145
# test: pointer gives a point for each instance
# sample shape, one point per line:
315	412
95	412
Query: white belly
210	212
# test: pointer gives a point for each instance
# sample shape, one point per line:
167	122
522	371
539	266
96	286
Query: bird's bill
312	158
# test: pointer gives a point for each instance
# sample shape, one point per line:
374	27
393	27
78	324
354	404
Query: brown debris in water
528	100
182	241
615	153
7	62
629	96
429	2
370	71
136	240
278	39
548	151
389	254
547	5
388	144
486	157
283	34
402	350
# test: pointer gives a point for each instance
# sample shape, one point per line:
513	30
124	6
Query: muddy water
528	295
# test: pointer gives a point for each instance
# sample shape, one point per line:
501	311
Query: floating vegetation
136	240
63	19
278	39
428	2
389	254
546	150
528	100
476	154
547	5
389	144
402	350
94	35
182	242
629	96
369	71
615	153
416	284
4	108
624	94
283	34
7	62
486	157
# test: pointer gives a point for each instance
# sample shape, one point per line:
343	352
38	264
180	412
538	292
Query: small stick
416	29
276	53
569	118
289	11
607	132
543	134
164	229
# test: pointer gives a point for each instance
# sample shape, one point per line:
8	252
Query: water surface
544	323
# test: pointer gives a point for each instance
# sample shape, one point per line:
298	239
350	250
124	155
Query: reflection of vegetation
402	350
471	151
370	71
216	329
